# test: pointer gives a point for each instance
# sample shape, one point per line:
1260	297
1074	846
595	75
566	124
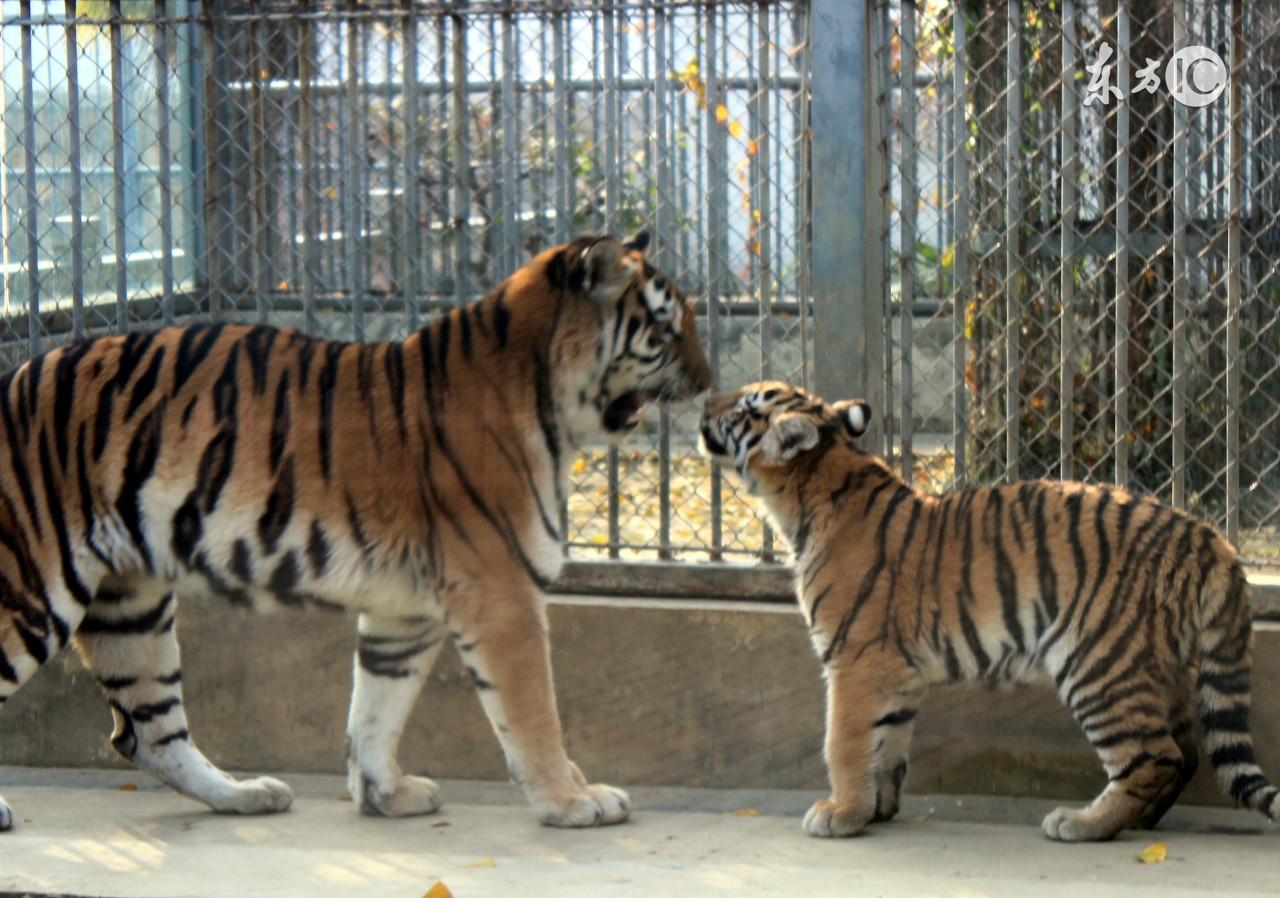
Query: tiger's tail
1225	648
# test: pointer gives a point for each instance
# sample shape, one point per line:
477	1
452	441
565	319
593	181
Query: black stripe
281	421
444	327
896	718
317	550
464	332
170	679
17	463
546	411
327	386
275	518
145	384
501	317
70	575
257	348
115	684
182	734
142	623
34	644
393	362
242	560
64	397
285	577
193	349
215	468
1235	753
6	669
1006	579
149	712
1226	720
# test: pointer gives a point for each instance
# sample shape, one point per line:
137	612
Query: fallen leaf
1153	854
483	862
735	128
439	890
345	796
439	823
922	818
745	812
129	787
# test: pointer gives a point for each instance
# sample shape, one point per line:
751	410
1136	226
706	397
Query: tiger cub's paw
827	819
596	805
1068	825
263	795
413	795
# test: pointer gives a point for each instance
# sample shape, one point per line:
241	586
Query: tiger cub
1139	613
416	482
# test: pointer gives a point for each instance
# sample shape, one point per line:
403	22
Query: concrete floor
78	834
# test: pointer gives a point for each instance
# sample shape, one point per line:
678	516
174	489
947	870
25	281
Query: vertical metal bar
1067	282
1013	233
560	97
410	251
1235	259
353	224
717	242
761	214
260	277
310	212
30	220
75	200
847	263
211	200
960	288
119	212
881	103
910	209
161	55
509	205
461	172
1121	450
664	250
804	190
1180	360
609	49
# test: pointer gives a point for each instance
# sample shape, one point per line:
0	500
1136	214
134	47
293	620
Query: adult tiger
417	482
1119	599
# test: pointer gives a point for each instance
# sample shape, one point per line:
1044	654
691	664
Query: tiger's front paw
827	819
596	805
411	796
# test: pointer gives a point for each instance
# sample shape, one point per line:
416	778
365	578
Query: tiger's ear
605	273
854	414
639	243
787	437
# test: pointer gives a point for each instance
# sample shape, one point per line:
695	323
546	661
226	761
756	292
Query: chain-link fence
354	168
1084	267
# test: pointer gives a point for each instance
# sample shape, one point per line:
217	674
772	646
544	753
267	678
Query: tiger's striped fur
416	482
1137	612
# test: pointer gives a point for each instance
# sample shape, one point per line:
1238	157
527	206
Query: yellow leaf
753	147
735	128
483	862
745	812
579	466
330	193
129	787
439	890
949	258
722	114
345	796
1153	854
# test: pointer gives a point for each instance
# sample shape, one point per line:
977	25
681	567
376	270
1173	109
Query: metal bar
1067	282
804	190
1235	203
560	88
310	212
762	218
910	209
30	219
161	54
75	200
261	277
1121	449
881	101
1180	360
960	247
509	204
410	209
716	191
461	167
659	154
118	167
845	259
608	50
1012	235
353	224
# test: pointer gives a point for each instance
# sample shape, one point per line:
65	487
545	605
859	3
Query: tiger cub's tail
1225	645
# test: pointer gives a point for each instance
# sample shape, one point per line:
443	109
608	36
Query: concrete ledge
652	693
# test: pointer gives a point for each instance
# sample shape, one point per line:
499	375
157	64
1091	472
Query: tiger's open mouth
626	411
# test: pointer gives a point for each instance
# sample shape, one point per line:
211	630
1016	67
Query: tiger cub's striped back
1138	612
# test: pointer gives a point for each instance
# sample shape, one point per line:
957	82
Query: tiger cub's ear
854	414
604	271
787	437
639	243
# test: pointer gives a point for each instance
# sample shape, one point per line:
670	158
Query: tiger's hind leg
1182	727
127	640
893	743
1128	724
393	657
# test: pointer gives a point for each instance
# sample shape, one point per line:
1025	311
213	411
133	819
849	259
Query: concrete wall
723	695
